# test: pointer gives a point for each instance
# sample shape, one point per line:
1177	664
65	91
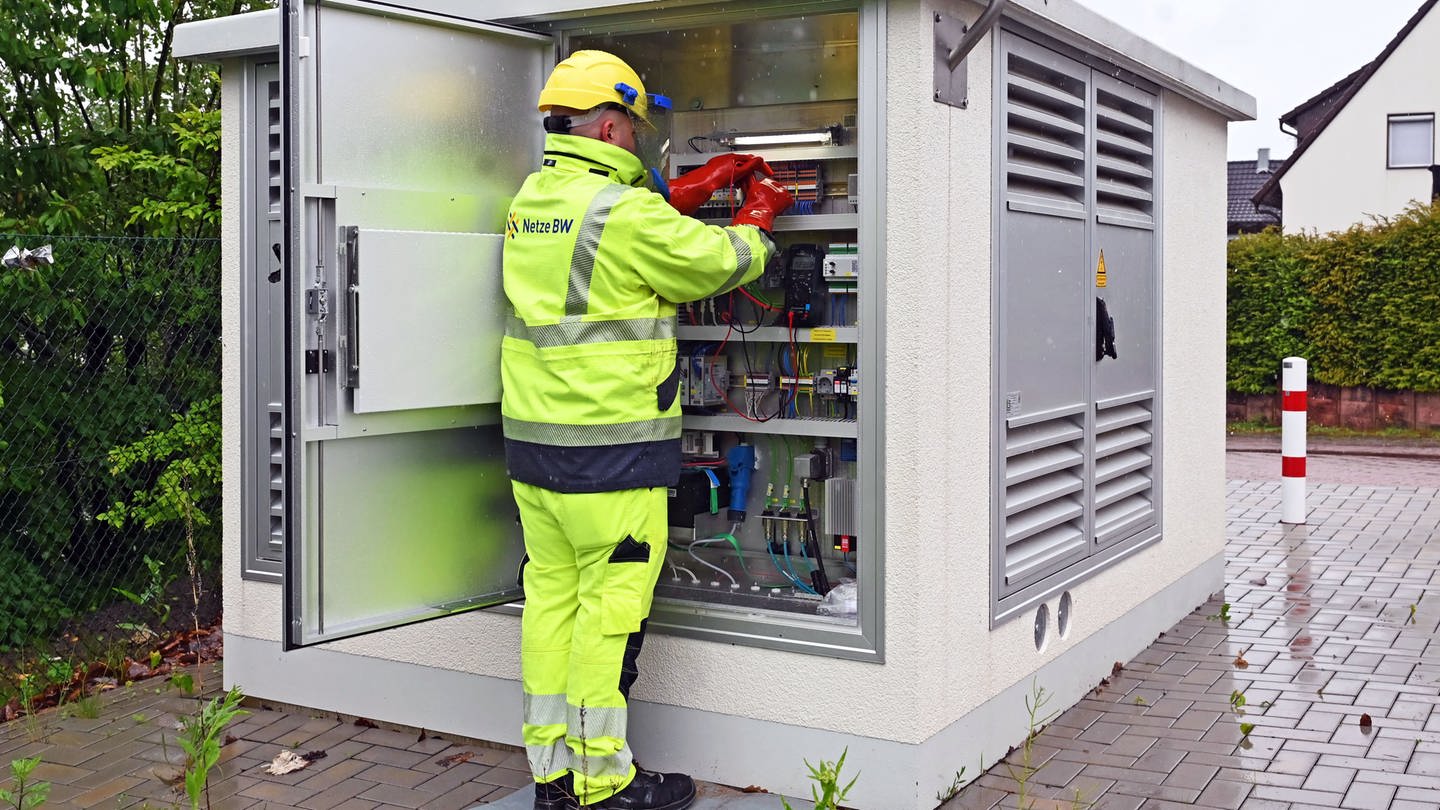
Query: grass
85	706
1258	428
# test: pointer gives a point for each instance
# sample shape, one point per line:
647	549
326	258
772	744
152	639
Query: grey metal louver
272	143
1044	134
1124	470
1044	506
1124	153
1076	485
275	540
262	305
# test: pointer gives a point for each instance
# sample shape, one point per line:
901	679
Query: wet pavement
1398	462
1320	689
1258	705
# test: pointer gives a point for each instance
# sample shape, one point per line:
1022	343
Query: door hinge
350	262
319	361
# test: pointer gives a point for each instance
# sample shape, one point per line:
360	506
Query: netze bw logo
529	225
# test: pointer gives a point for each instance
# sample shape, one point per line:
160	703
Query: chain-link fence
109	434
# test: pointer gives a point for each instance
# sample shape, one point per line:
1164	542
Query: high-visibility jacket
594	268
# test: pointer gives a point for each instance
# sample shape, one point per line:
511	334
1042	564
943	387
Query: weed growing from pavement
25	794
87	706
1034	704
200	737
183	681
1223	616
826	792
946	794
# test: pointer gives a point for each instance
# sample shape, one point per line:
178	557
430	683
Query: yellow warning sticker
822	335
835	352
1100	271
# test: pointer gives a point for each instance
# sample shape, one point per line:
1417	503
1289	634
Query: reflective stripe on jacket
594	268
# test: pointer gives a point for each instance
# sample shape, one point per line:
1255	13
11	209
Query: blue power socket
741	461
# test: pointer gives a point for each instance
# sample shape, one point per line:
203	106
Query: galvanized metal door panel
1078	177
425	527
1047	362
1044	368
409	103
1124	387
406	132
431	310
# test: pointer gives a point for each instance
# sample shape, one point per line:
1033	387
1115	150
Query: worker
598	253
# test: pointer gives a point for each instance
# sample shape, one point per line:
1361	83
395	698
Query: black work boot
652	791
556	795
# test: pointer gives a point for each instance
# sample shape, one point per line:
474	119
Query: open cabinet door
403	133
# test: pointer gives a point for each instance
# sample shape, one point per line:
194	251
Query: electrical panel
768	512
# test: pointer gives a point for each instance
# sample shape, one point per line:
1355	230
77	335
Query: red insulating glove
693	189
765	199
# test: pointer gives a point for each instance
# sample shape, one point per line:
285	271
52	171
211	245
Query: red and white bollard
1292	440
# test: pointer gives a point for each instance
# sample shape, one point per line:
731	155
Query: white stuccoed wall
950	685
1341	179
938	404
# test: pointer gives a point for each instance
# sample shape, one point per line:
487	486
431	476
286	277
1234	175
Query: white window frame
1408	118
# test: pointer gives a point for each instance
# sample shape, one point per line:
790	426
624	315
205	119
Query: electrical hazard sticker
822	335
1100	271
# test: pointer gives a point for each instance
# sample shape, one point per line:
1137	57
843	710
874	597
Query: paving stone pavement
1320	633
121	759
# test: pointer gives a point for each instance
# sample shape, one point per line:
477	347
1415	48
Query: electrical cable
795	388
676	569
822	581
795	576
740	555
793	579
724	395
733	582
763	305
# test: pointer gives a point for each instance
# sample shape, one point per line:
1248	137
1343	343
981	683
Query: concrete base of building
710	746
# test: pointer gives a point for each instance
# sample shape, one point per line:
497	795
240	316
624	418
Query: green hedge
1362	306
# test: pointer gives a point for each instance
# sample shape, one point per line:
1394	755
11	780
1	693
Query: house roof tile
1241	212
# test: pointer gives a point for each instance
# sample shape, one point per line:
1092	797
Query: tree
103	135
77	77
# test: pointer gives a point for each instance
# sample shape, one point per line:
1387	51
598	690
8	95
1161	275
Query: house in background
1243	214
1366	144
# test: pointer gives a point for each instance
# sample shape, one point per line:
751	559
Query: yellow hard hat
588	79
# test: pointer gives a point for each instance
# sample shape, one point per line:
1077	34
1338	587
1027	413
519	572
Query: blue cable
794	573
794	579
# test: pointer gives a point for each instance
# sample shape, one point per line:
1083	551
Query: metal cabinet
386	144
1076	467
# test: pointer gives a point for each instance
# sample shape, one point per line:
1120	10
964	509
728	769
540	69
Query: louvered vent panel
1124	157
275	539
1044	135
1124	471
273	144
1044	498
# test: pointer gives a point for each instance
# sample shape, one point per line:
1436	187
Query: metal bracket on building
350	342
319	361
954	40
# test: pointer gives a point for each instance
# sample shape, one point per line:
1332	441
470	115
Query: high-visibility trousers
589	582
